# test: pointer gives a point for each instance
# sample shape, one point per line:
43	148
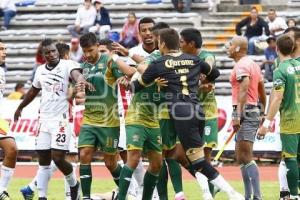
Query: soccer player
294	32
247	90
53	138
28	191
7	142
100	127
191	43
285	98
182	73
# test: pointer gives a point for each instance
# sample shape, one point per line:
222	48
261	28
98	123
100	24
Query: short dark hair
285	44
160	25
170	37
88	40
146	20
296	31
192	35
270	39
63	49
47	42
272	10
19	86
107	43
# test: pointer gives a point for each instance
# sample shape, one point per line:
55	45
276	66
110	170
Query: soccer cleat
115	194
284	195
4	196
27	193
235	196
180	196
207	196
75	192
42	198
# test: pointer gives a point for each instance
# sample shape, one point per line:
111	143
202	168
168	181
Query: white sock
33	183
6	175
43	177
71	179
67	186
221	183
283	184
139	173
203	182
179	194
53	168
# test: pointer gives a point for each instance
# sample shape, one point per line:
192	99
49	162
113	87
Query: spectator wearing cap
102	23
270	55
277	25
7	11
291	23
18	93
254	29
76	53
130	32
85	18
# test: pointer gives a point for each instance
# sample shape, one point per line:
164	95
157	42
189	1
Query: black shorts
189	121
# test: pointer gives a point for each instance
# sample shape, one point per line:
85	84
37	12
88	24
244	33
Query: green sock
86	180
116	174
211	188
162	185
124	182
292	175
191	170
175	175
150	181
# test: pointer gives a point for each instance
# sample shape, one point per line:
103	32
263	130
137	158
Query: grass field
191	189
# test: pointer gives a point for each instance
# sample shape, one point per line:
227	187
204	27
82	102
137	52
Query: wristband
266	123
130	54
115	57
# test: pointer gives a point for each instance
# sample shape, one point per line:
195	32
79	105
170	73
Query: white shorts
53	134
73	146
122	137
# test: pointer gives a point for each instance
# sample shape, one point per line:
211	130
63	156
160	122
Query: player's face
2	53
184	46
146	33
51	54
91	53
271	16
103	49
161	46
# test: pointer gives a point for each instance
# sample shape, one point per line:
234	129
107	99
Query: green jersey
101	108
143	108
286	78
208	99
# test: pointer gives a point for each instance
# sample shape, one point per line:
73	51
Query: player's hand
80	87
236	124
17	114
119	48
208	87
161	82
90	86
261	132
123	81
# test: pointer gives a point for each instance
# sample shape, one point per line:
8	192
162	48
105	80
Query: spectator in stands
39	60
254	29
182	5
75	50
277	25
130	32
291	23
85	18
271	55
18	93
102	23
7	11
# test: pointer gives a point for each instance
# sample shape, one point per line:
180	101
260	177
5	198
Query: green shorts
168	134
143	138
290	145
104	138
211	133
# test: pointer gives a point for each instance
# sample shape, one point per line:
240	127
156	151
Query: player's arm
30	95
79	79
147	78
125	52
211	73
123	67
262	95
277	96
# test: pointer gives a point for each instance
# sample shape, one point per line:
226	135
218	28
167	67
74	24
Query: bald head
241	42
